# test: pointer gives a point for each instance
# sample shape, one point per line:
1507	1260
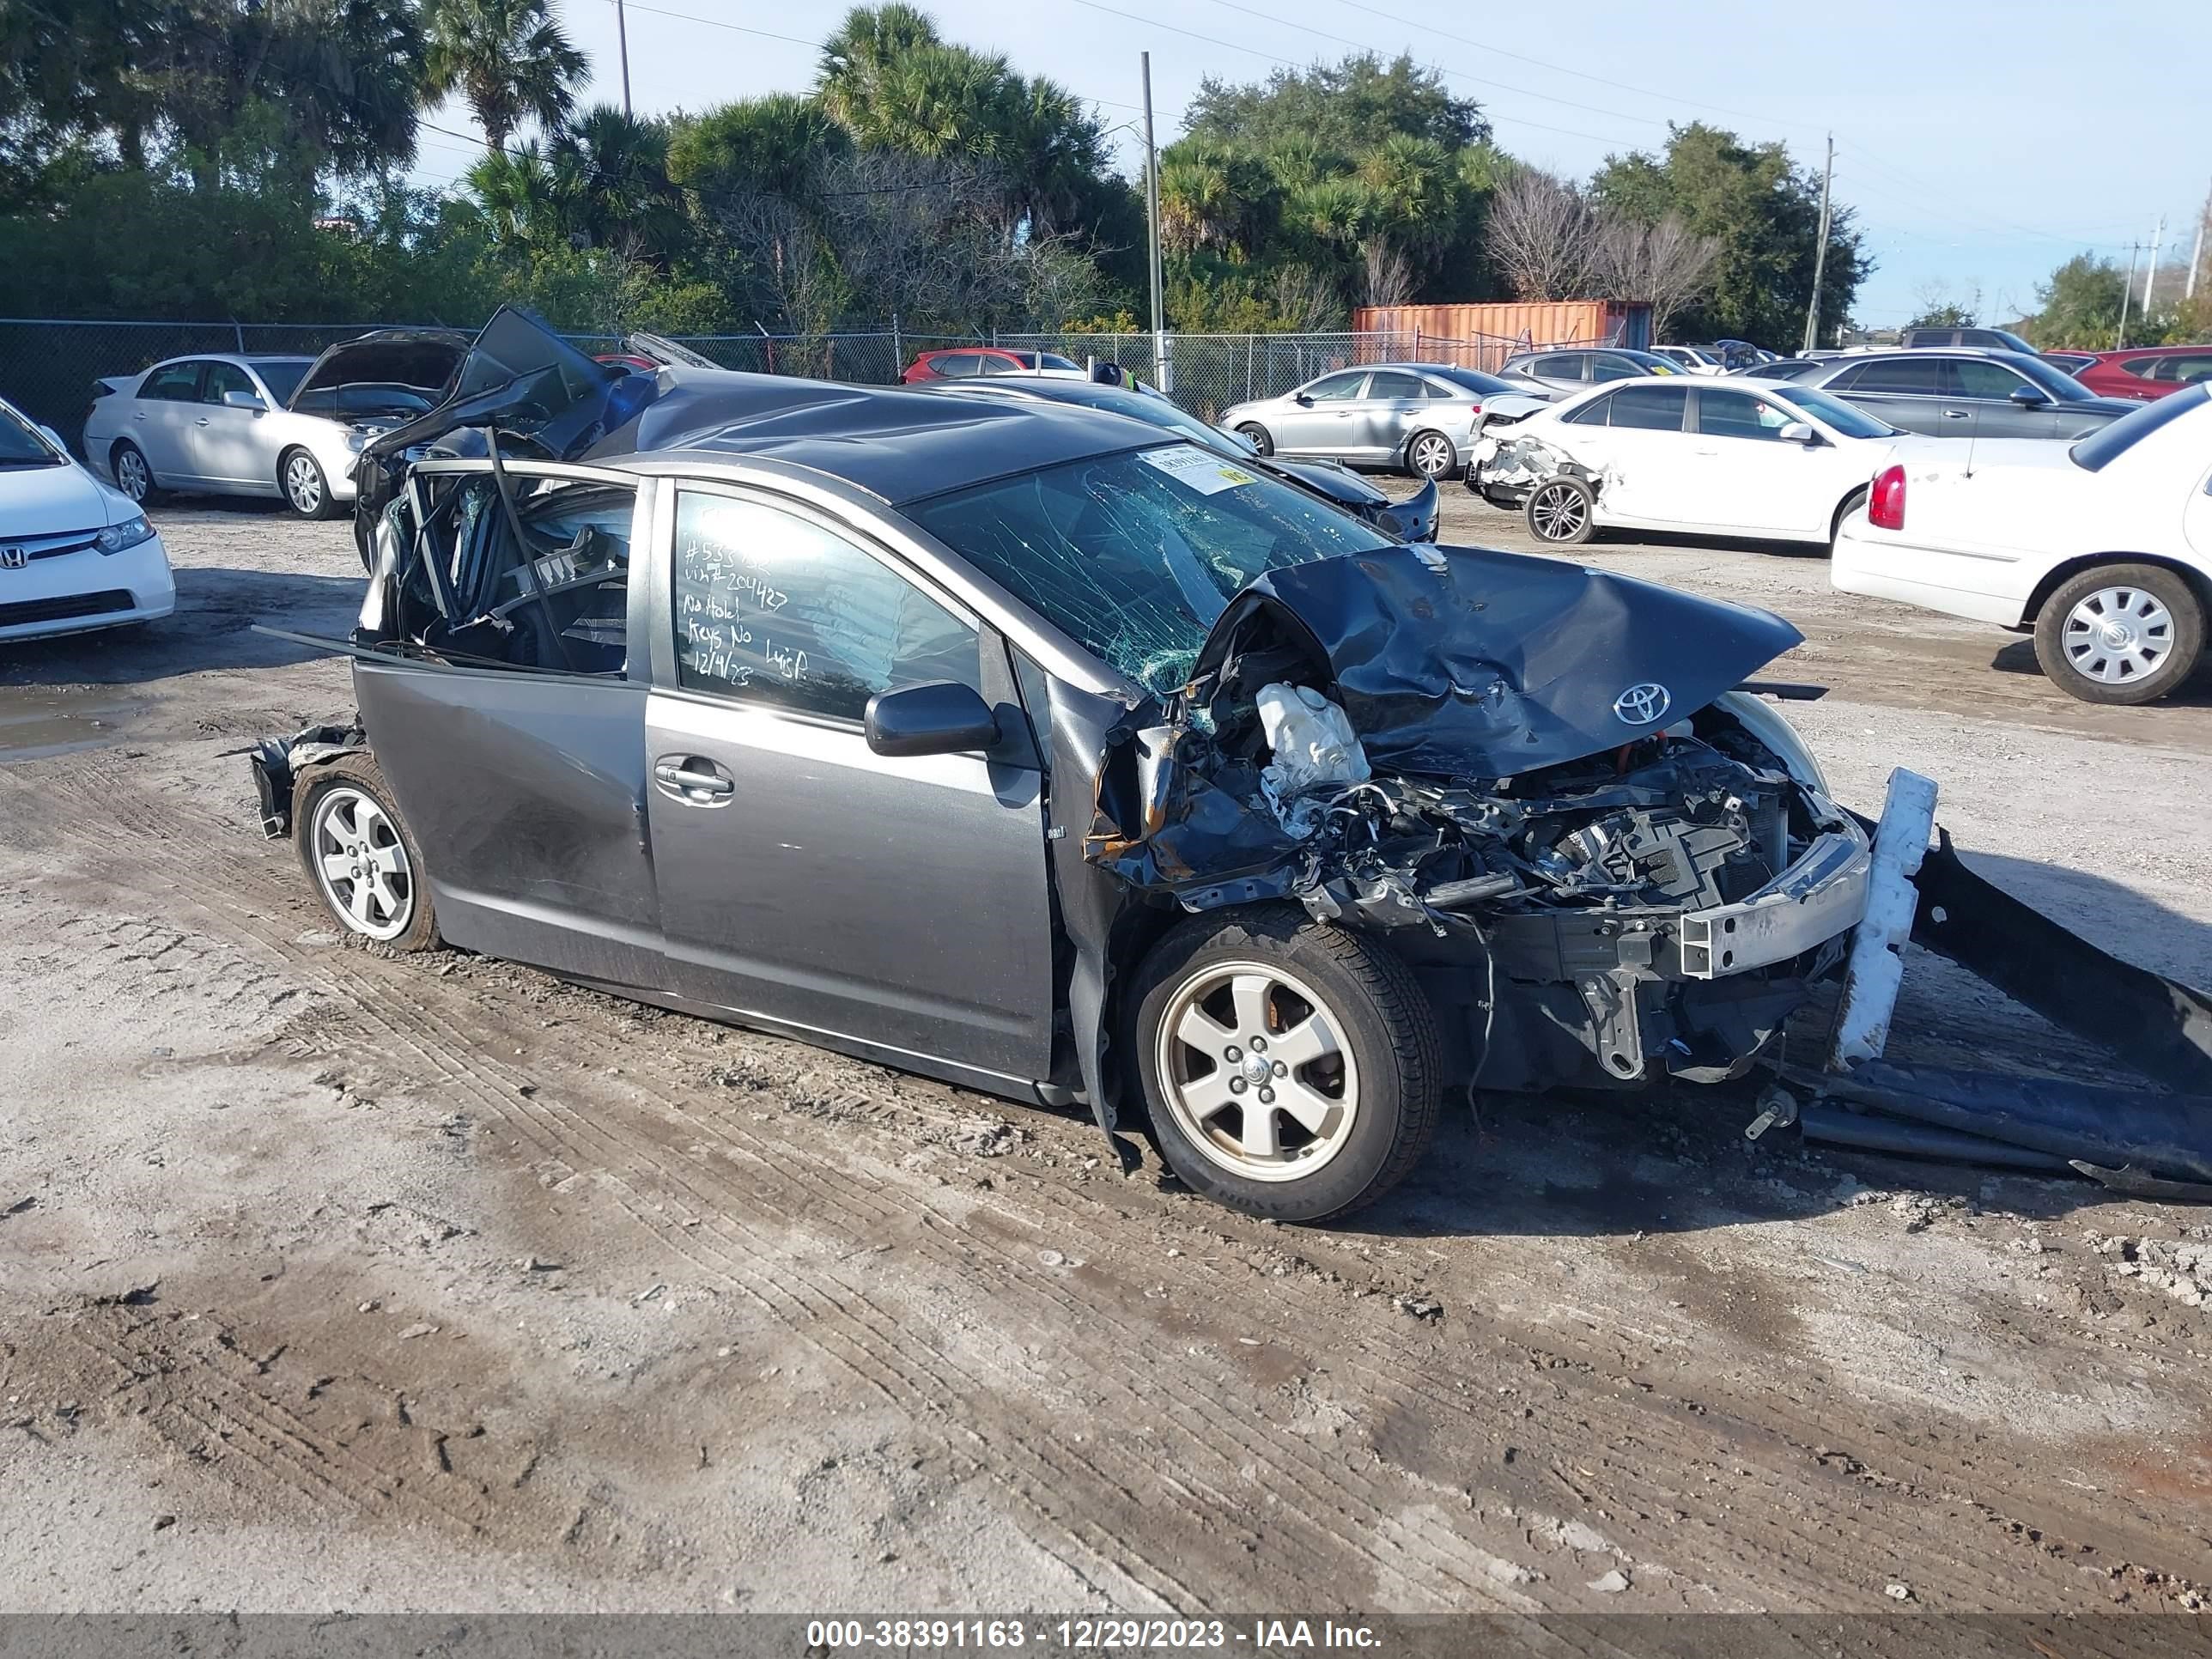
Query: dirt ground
334	1280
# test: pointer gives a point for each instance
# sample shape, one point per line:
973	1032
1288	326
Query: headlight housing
129	533
357	440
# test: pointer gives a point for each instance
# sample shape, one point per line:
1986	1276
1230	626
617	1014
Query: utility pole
2197	253
1820	252
1162	363
2127	291
2157	241
622	47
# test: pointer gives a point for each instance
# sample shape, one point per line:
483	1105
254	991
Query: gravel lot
329	1279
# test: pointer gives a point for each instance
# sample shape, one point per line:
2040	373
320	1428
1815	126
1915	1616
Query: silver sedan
1417	416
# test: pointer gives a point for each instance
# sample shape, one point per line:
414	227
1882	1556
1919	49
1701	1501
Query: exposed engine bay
1658	903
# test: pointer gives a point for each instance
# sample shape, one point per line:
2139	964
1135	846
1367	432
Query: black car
1413	519
1968	394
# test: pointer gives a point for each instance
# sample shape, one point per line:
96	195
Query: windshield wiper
33	460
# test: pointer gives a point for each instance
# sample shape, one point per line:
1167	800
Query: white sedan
1721	457
73	554
2102	546
221	424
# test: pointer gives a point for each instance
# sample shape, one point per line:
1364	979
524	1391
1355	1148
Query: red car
2145	373
962	362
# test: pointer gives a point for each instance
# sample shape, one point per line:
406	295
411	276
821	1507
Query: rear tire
1561	512
1852	503
1342	1109
1257	436
133	477
1430	455
2120	634
361	855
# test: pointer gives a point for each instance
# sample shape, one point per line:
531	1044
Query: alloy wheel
303	484
131	476
1254	1069
1558	512
1432	455
361	864
2117	635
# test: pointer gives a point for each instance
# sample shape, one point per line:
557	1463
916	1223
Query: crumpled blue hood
1469	663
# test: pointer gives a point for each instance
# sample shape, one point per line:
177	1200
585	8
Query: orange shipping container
1495	331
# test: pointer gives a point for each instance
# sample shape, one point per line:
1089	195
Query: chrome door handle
680	774
1954	415
201	422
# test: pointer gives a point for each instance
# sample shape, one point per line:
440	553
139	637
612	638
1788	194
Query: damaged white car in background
1725	458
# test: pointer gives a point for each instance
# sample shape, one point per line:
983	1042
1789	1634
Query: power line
1286	63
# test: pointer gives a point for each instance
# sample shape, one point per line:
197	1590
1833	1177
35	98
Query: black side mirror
2030	396
1303	401
942	717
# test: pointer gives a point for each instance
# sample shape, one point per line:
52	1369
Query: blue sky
1982	144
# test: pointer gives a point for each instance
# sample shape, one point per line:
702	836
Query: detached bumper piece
2138	1141
277	761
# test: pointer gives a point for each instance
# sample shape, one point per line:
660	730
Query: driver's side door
894	906
1318	419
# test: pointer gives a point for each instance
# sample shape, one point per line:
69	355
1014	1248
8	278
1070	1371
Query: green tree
1762	213
509	61
1346	107
2080	306
625	198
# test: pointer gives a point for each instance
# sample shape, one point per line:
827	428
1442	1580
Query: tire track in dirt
1812	1514
1228	1444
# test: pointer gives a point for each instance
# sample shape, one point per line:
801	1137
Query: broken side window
557	597
1135	555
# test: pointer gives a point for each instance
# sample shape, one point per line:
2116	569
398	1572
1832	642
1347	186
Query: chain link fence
49	367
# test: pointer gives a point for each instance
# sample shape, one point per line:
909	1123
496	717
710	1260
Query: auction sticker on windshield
1209	475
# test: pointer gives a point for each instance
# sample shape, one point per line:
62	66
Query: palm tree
528	200
855	58
508	59
621	167
775	144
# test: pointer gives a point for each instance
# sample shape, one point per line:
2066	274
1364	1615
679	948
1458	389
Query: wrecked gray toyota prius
1012	745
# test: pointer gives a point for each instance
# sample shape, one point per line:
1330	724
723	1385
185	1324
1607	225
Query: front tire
1292	1068
2120	634
361	854
307	491
1258	436
1430	455
1561	512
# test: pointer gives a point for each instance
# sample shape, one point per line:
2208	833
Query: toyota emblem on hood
1640	705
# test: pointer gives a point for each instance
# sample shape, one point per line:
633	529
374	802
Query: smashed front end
1504	467
1534	777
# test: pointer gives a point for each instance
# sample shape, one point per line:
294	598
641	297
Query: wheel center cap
1257	1070
2119	636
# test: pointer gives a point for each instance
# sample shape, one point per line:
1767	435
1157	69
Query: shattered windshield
1137	554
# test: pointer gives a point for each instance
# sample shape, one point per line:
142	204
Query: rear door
161	418
526	785
1392	401
1904	388
228	445
899	905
